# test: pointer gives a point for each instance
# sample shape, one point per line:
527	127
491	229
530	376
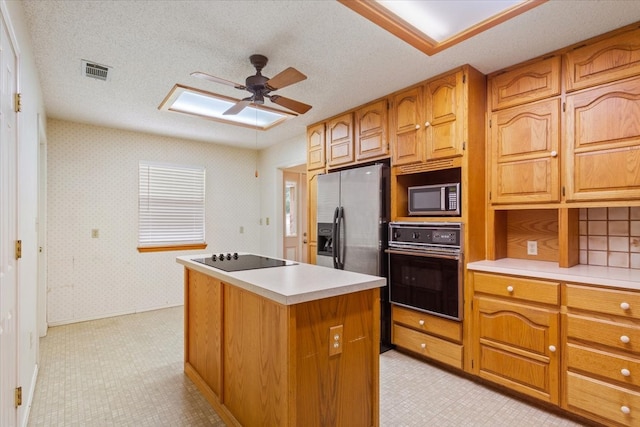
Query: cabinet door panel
525	84
444	124
534	373
371	131
524	153
315	147
407	127
603	143
340	141
610	59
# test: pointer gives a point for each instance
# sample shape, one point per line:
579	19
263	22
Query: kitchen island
294	345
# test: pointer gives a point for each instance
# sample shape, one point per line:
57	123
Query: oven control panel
418	235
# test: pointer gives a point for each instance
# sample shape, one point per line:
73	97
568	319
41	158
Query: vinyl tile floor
128	371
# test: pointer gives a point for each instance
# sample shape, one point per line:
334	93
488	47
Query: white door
8	231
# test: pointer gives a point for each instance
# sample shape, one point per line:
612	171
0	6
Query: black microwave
434	200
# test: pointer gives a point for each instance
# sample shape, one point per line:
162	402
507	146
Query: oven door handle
425	254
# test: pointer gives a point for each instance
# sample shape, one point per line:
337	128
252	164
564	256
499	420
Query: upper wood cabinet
609	59
407	132
524	84
339	141
315	147
372	131
444	121
524	161
603	142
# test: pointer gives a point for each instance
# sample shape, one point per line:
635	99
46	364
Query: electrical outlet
95	233
335	340
532	247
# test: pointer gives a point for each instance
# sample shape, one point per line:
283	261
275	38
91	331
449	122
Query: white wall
93	184
32	105
270	164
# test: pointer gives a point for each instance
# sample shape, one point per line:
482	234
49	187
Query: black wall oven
426	267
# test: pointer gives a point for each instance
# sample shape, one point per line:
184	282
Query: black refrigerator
353	217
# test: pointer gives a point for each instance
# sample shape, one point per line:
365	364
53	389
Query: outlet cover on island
532	247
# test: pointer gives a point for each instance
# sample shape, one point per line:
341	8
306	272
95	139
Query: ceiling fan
261	87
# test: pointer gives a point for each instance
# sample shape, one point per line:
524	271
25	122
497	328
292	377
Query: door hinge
489	195
563	191
464	145
564	107
464	78
18	396
18	102
489	123
472	364
18	249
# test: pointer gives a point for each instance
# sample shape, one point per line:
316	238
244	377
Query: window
290	209
170	207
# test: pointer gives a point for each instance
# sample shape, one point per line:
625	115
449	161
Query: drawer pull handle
552	348
625	305
625	409
510	289
625	372
421	322
625	339
423	346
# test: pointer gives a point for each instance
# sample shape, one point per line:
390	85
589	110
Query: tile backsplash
610	237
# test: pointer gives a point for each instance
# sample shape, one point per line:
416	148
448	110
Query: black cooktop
235	262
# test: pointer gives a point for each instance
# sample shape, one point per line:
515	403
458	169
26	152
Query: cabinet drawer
427	323
426	345
618	368
525	84
603	399
517	288
610	59
607	301
618	335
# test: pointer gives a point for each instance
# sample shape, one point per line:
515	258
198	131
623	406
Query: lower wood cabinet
430	336
515	338
602	354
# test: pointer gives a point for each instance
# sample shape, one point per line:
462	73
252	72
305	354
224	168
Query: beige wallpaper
92	184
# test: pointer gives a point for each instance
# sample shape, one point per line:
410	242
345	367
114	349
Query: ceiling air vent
95	71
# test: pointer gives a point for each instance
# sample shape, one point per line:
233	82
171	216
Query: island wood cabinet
429	336
602	139
602	354
516	333
260	363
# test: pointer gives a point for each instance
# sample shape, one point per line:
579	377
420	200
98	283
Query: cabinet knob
423	346
625	410
625	305
510	289
427	124
417	126
552	348
554	153
625	372
421	322
625	339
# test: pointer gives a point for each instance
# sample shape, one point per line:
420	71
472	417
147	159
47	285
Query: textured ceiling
153	45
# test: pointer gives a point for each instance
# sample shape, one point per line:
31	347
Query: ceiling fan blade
296	106
239	106
285	78
215	79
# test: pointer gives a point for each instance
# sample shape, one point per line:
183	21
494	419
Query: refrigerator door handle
335	237
339	245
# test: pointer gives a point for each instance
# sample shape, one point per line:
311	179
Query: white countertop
590	274
291	284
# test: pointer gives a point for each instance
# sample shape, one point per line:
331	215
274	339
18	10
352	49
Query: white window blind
170	204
